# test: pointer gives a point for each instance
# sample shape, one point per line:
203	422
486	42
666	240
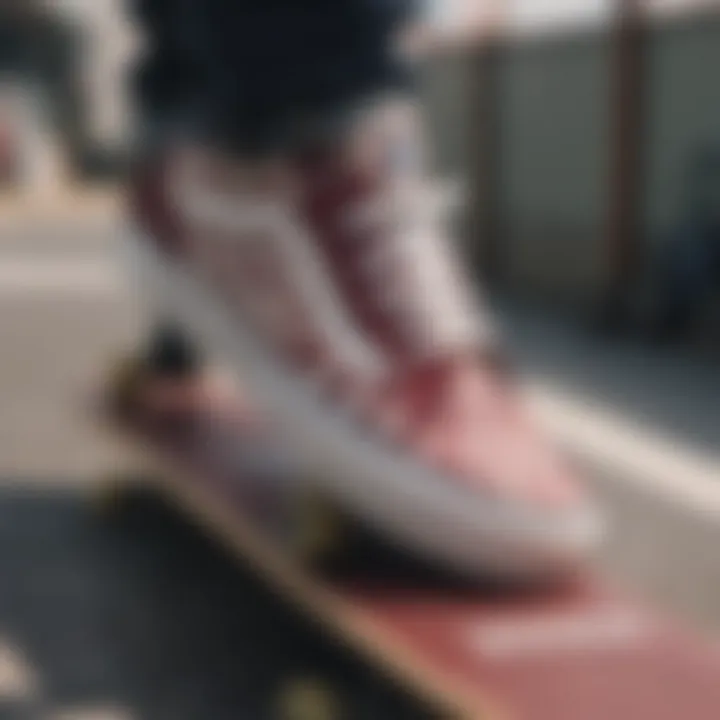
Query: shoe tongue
388	245
438	314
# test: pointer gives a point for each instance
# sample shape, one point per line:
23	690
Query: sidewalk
645	423
63	205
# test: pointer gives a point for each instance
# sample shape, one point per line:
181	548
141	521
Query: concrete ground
100	624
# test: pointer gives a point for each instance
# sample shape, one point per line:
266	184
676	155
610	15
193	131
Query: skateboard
580	651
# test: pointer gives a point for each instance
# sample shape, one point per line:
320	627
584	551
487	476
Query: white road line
633	452
93	276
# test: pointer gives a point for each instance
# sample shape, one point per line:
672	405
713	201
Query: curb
662	500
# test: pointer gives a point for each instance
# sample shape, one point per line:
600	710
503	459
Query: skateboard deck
580	652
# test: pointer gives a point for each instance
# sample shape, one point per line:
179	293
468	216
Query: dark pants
247	71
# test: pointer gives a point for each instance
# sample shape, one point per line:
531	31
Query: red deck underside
651	674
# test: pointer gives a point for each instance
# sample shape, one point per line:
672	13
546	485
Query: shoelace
408	266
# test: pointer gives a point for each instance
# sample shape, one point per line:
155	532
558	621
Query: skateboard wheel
316	529
171	354
107	495
307	699
112	494
125	382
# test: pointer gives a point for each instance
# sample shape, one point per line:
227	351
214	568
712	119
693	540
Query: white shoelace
413	271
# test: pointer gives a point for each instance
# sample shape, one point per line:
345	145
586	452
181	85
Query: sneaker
325	277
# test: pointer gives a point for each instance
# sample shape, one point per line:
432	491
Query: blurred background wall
552	162
683	110
531	123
